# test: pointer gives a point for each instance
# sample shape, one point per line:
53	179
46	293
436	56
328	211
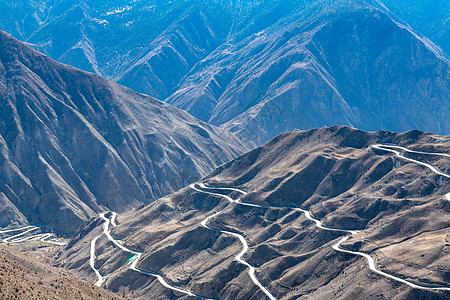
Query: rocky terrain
162	200
260	68
190	238
73	144
24	277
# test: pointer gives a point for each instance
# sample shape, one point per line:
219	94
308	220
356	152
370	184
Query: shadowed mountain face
257	68
147	46
73	143
429	17
398	206
341	64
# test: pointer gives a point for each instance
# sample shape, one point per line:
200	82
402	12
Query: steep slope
161	66
260	68
295	203
429	17
73	143
335	63
24	277
128	42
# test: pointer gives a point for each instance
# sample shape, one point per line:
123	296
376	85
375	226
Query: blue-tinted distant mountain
257	68
115	38
73	144
429	17
341	62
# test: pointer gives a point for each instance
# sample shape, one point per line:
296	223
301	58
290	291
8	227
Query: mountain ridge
261	68
74	139
270	196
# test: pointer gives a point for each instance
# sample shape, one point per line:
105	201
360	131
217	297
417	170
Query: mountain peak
75	144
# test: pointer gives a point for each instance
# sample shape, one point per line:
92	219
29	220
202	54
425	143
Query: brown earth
399	207
25	277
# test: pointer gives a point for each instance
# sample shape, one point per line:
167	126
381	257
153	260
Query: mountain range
429	17
259	68
192	149
363	199
73	144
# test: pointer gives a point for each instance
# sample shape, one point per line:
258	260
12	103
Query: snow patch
119	10
101	22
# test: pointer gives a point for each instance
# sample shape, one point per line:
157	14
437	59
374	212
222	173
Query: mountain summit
259	68
73	143
306	211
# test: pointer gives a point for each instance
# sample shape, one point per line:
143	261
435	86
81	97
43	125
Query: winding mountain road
397	153
388	149
20	237
392	149
107	233
202	188
372	267
251	269
318	223
378	146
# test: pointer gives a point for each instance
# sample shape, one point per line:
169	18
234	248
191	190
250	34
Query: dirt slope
24	277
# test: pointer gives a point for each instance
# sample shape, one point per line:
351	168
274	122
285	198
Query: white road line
251	272
238	257
318	224
113	219
11	239
43	237
435	170
107	232
15	229
100	278
386	148
202	185
49	235
29	238
372	267
413	151
92	261
238	201
133	267
251	269
228	198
